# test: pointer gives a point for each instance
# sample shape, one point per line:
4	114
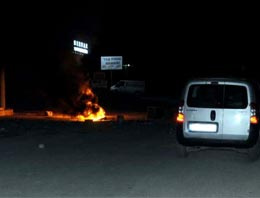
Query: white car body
217	111
129	86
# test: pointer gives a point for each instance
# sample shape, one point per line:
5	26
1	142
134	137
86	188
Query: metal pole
111	78
2	87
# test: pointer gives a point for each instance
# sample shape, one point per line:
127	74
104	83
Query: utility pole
3	110
2	88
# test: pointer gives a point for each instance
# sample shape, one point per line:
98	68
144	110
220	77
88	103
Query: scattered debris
41	146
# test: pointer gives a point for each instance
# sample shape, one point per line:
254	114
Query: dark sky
148	33
161	39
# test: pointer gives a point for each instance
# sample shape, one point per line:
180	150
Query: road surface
108	159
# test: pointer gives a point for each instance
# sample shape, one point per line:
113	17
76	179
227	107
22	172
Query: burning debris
85	107
89	102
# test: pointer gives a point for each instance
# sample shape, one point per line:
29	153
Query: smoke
72	79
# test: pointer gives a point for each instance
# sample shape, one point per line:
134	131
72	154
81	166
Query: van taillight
253	120
180	118
253	114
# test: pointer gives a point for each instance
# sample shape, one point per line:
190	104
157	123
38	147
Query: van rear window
207	96
217	96
235	97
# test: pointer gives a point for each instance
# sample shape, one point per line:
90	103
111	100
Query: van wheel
254	152
182	150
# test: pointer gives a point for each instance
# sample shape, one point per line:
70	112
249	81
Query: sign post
111	77
111	63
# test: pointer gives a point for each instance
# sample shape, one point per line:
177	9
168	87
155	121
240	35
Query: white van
129	86
219	112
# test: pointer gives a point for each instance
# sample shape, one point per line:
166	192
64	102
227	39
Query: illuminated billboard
111	62
80	47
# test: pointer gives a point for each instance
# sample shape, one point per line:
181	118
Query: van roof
232	80
134	81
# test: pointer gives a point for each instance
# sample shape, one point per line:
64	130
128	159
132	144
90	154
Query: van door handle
213	115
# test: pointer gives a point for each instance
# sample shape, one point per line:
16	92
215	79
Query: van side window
120	84
235	97
205	96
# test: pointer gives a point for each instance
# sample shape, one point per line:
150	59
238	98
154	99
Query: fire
89	107
87	91
94	116
92	111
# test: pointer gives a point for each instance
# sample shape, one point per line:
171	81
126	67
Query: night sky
161	41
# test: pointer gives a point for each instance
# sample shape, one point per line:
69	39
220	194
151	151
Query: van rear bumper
250	142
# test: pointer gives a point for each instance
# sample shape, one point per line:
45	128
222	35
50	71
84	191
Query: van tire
254	152
182	150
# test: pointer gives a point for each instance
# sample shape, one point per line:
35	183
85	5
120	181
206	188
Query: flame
92	110
49	113
94	116
86	91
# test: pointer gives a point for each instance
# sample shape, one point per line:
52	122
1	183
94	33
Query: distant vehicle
136	87
219	112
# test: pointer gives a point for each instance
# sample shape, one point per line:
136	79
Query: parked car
129	86
219	112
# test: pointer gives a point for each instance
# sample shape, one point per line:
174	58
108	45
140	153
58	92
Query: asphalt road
132	159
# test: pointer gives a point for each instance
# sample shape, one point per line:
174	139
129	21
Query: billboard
111	62
80	47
